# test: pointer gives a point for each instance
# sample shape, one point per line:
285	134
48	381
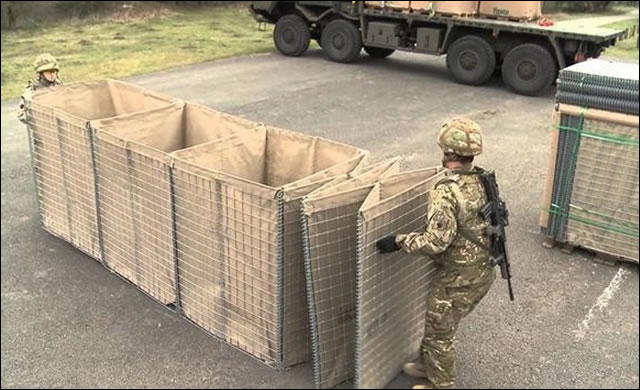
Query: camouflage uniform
455	239
43	62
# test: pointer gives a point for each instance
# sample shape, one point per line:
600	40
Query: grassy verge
116	49
559	15
626	49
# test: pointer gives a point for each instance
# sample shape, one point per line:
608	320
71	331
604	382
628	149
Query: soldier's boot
415	370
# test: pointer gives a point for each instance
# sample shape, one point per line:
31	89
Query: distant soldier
46	68
455	238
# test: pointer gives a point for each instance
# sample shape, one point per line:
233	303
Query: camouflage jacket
453	223
25	99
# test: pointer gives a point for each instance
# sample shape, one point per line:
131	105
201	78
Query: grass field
121	47
89	50
626	49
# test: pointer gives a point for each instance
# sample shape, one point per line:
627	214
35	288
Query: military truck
529	55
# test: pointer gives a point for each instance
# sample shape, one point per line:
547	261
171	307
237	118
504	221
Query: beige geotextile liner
239	236
101	99
391	298
551	170
62	152
329	227
134	187
604	197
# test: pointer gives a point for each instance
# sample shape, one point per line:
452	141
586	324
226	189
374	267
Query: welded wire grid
330	242
295	322
64	168
391	293
47	167
613	104
604	73
227	245
587	89
603	209
568	146
136	215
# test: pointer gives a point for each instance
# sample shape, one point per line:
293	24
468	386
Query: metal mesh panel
568	148
135	207
604	85
597	90
296	336
604	73
62	147
227	254
135	187
331	247
329	223
601	102
47	165
63	150
391	289
296	343
604	197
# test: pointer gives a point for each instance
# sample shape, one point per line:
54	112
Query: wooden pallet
597	256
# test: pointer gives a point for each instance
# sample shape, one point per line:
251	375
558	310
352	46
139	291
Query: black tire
291	35
341	41
528	69
378	52
471	60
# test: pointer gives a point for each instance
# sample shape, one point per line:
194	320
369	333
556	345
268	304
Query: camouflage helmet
45	62
460	136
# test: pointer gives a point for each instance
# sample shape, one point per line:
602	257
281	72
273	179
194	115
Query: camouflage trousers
454	296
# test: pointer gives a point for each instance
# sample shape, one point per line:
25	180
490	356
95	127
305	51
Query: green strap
621	140
557	210
564	211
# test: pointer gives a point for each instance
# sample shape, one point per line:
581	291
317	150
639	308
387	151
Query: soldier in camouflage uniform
455	239
46	68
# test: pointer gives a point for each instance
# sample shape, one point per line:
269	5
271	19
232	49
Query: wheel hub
526	70
288	36
338	41
468	60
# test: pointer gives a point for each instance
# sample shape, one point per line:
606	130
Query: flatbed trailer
529	55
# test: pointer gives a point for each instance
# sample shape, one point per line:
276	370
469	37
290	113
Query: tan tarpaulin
134	187
243	278
62	152
391	288
330	216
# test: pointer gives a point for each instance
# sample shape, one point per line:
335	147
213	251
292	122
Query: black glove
387	244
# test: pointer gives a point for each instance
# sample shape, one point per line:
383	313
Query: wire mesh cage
239	240
591	199
391	289
591	196
133	161
62	152
329	225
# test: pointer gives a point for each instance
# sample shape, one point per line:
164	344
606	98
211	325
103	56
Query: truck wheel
378	52
471	60
528	69
341	41
291	35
